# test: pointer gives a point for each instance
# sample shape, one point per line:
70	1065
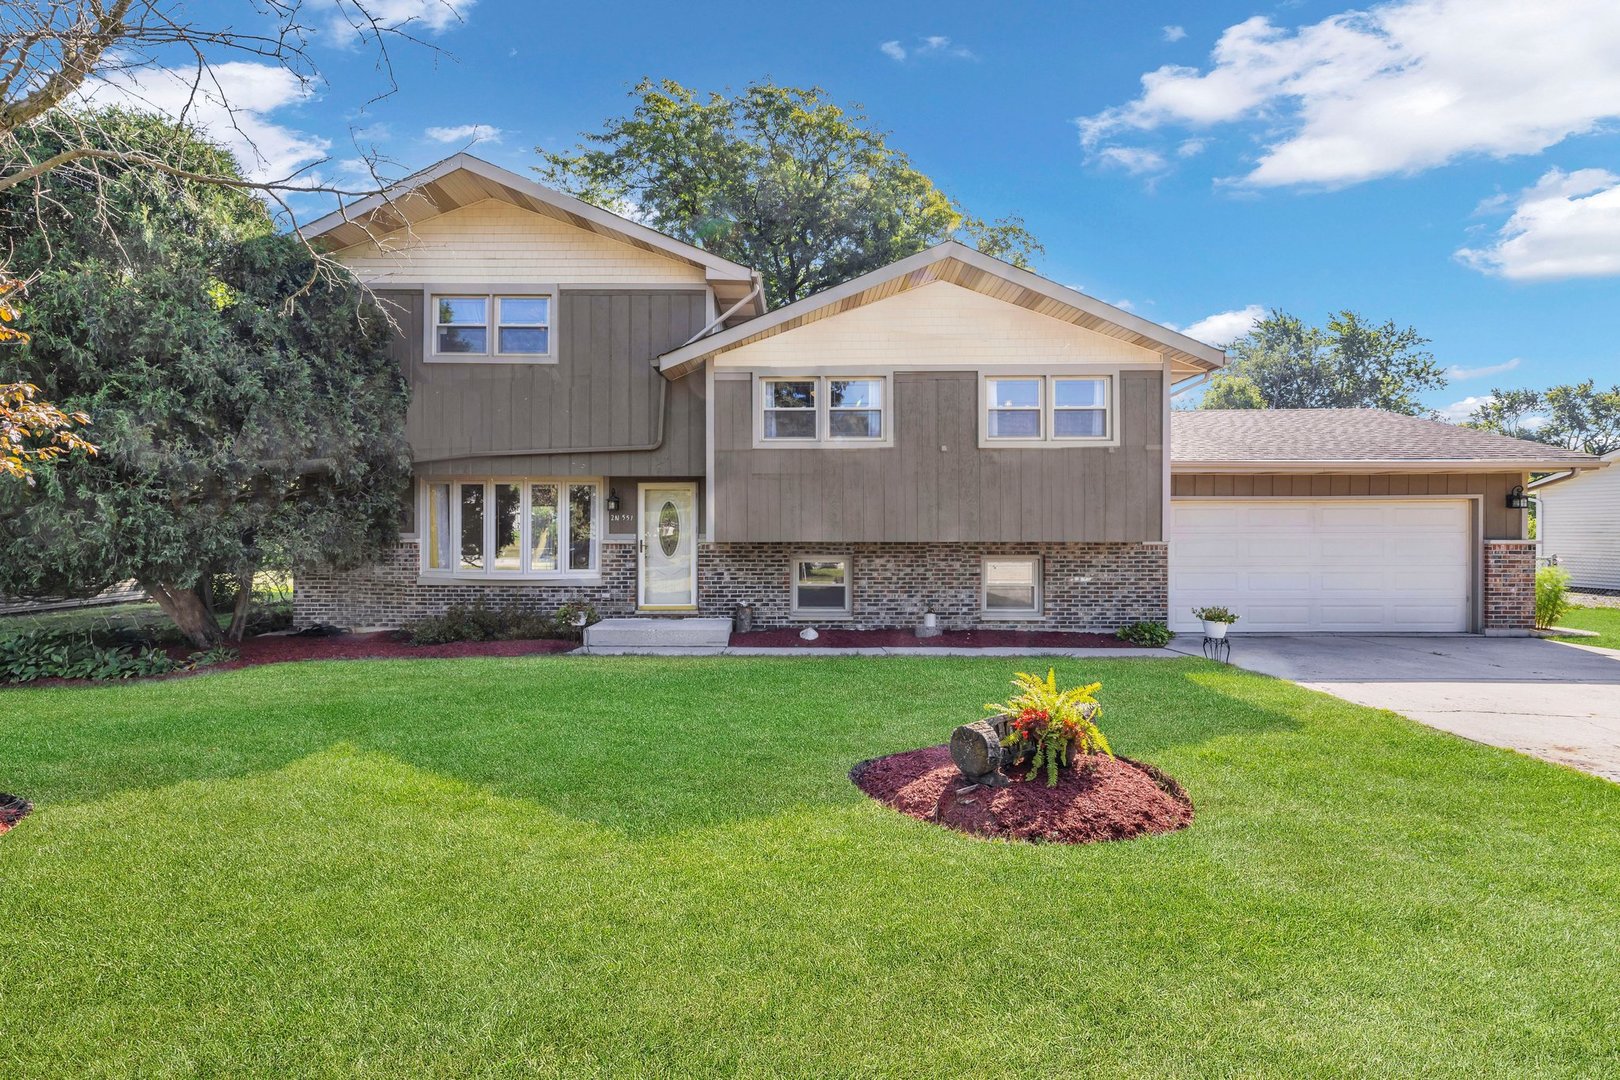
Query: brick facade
1098	586
1510	586
392	592
1084	586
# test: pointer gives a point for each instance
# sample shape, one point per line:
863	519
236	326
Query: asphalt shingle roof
1343	435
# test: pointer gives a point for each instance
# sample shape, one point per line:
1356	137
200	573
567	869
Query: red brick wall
1510	585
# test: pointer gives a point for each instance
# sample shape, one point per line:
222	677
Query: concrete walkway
1556	701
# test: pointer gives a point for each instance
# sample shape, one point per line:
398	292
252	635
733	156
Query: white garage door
1295	565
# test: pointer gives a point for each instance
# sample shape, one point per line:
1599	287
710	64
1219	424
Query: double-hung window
1011	586
1037	410
825	410
821	586
512	528
474	326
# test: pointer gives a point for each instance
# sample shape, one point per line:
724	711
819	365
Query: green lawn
650	867
1605	620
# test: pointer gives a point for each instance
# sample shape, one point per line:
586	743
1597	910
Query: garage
1292	565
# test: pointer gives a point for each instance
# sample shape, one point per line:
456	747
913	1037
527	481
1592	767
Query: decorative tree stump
976	748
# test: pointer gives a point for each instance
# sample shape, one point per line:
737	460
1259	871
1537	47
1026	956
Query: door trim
641	543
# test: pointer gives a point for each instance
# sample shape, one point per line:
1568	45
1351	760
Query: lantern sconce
613	500
1517	499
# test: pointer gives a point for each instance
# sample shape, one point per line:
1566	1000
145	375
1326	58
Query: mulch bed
1109	799
13	808
835	638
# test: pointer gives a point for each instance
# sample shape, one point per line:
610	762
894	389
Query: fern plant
1051	726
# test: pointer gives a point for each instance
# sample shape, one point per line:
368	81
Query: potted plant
1217	619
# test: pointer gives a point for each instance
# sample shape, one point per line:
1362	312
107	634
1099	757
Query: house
601	414
1578	524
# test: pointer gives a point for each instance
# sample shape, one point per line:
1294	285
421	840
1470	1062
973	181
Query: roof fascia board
1384	465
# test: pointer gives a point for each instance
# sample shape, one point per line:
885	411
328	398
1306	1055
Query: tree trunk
244	601
187	610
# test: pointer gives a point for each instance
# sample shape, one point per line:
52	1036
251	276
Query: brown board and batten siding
935	483
1501	523
598	411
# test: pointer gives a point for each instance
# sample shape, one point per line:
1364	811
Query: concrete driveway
1555	701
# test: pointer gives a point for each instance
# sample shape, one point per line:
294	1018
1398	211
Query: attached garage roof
1348	440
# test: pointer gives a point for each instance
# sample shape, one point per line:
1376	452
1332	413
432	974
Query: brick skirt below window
1084	586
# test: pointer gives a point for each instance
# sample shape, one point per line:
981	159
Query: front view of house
602	414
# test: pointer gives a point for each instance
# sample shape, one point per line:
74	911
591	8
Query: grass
1604	620
651	867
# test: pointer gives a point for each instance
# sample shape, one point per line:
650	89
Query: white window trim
1036	612
1049	439
824	614
824	438
489	574
492	296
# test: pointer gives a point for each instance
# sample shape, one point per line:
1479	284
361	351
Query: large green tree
1577	416
238	430
1350	363
776	178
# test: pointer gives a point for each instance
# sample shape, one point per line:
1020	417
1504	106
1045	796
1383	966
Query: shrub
1051	727
477	622
1552	596
1215	613
1154	635
40	654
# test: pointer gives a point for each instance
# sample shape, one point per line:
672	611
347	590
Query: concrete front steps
669	637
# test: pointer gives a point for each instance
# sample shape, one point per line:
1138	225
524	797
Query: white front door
1288	565
668	547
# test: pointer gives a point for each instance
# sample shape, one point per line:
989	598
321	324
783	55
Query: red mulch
13	809
1109	799
285	648
835	638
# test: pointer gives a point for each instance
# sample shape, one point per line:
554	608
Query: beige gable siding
1580	525
1501	523
935	483
494	242
937	324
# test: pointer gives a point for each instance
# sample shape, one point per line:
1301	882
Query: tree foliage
1350	363
237	431
1577	416
776	178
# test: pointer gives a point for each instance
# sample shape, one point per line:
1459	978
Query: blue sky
1447	164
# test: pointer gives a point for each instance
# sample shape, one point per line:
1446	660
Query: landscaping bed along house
1040	769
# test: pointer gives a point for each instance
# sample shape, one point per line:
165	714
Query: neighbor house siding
935	483
603	394
1580	526
494	241
1501	523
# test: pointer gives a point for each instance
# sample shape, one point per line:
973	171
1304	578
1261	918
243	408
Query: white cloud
465	133
1174	33
1133	159
410	16
232	105
1565	225
1225	327
1191	147
1458	411
1457	371
1397	88
931	46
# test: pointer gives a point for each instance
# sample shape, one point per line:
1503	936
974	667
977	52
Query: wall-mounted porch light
613	500
1517	499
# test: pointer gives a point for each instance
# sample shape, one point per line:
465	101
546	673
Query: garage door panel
1323	564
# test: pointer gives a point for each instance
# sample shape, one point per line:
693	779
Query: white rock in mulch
809	633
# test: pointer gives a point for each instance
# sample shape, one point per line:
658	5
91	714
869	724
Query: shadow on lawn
639	746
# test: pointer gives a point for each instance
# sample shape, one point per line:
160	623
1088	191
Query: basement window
821	586
1011	586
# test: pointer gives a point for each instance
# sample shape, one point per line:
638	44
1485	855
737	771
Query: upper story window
516	527
824	410
1040	410
510	329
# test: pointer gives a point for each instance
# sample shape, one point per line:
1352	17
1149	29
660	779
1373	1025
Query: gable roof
1348	440
957	264
462	179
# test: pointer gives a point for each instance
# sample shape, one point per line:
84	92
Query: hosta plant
1051	727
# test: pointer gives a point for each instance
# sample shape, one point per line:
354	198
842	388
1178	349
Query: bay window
512	528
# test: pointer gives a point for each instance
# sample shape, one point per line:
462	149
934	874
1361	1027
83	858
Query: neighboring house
605	415
1578	524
